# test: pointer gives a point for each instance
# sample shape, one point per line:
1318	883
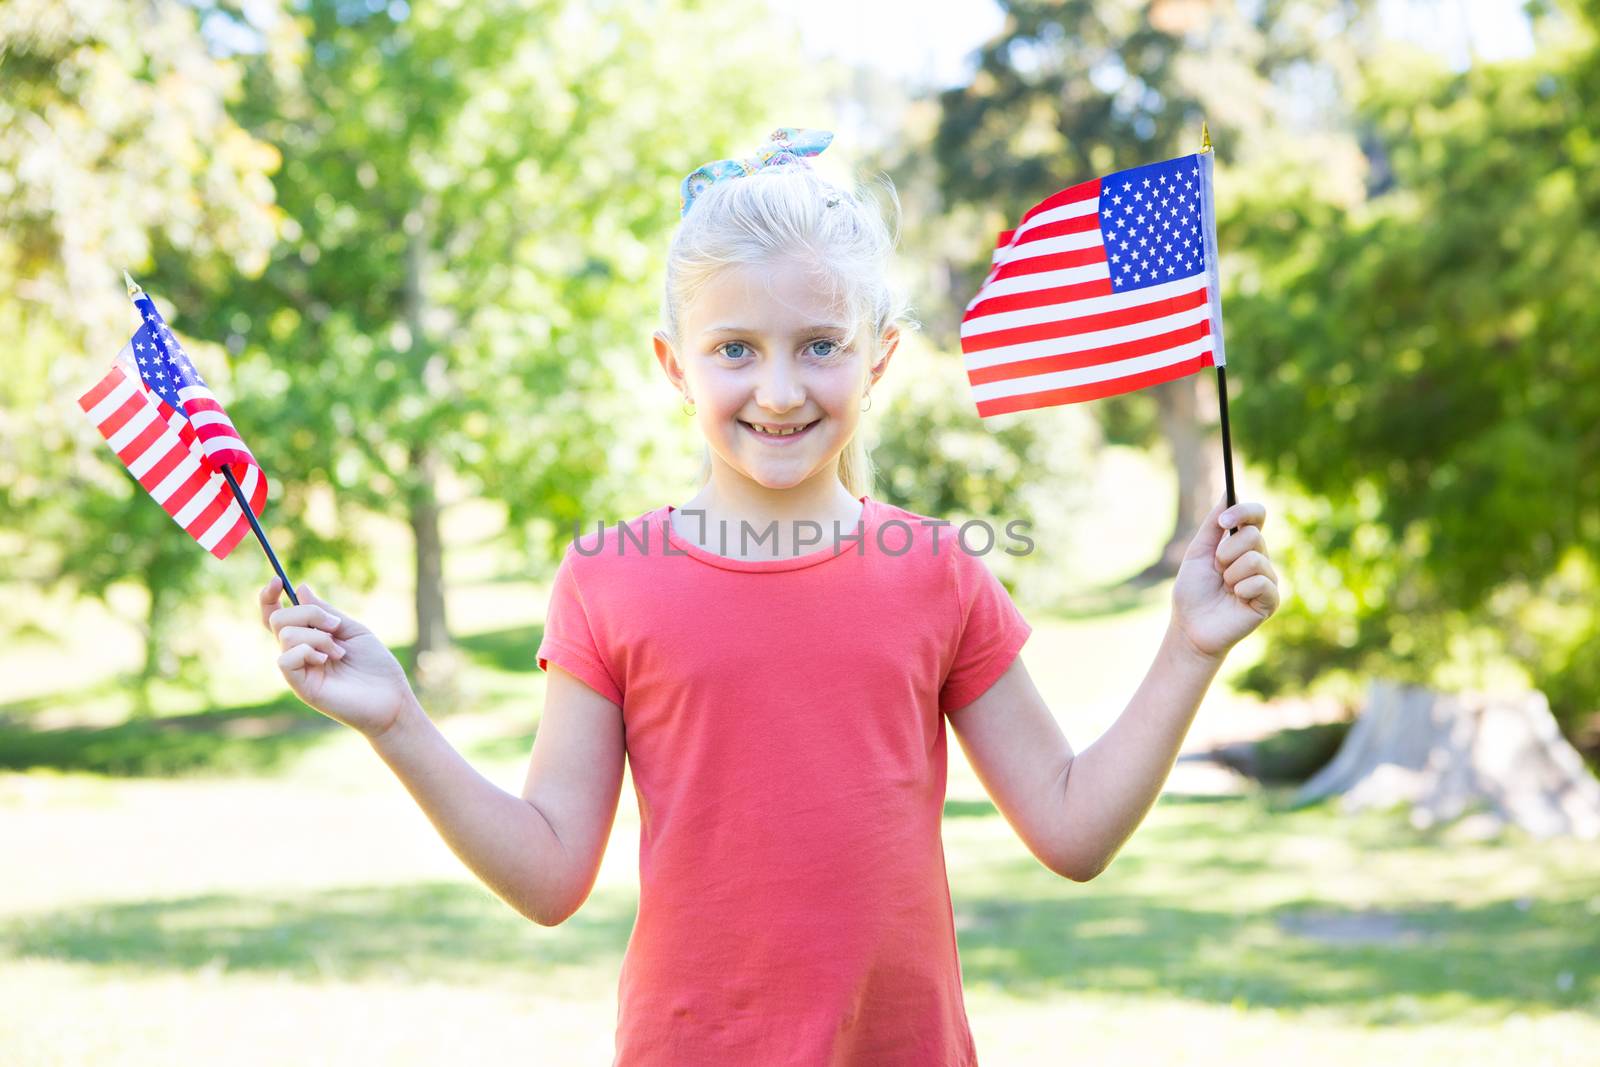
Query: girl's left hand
1226	586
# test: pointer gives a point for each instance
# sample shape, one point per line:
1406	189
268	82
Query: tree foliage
1427	360
114	136
477	198
410	244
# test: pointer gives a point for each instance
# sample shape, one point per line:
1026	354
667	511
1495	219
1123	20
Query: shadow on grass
248	738
425	932
1433	962
1107	601
968	809
511	649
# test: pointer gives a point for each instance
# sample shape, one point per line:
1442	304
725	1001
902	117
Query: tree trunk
435	665
1445	754
1190	444
433	630
157	651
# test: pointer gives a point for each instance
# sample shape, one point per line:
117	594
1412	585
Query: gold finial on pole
134	292
1205	136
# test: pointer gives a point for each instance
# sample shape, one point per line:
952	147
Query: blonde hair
794	211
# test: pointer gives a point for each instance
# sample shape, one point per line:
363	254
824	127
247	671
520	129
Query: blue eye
832	351
725	349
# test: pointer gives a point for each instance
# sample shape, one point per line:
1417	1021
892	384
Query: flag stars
1154	238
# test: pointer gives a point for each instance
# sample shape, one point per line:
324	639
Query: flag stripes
165	454
1102	288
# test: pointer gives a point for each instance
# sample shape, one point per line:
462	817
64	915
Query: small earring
687	407
869	403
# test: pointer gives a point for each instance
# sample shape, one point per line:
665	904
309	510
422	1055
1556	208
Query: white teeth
775	433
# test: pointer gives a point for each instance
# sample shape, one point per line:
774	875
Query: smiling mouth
759	432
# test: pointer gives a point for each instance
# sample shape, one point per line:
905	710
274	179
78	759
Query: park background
416	248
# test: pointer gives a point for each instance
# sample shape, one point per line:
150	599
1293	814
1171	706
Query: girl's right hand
335	664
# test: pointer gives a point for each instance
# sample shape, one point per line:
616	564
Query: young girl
776	659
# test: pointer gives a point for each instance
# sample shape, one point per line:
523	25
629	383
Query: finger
1248	539
1208	536
1246	565
300	657
271	596
339	618
1244	513
1258	590
311	615
290	636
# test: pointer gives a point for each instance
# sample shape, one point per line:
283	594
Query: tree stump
1447	754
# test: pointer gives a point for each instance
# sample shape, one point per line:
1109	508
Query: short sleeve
570	635
992	632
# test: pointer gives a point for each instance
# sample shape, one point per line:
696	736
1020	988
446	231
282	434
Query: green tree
1434	347
114	136
478	200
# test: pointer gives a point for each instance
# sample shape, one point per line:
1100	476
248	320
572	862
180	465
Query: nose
780	389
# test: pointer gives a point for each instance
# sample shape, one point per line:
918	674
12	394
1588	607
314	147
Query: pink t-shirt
785	731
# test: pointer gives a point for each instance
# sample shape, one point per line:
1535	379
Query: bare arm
539	852
1076	811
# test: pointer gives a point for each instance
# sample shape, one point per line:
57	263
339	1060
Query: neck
731	499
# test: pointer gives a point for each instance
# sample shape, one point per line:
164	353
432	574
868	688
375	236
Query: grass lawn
307	913
250	886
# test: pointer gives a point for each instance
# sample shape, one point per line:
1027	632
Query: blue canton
1153	224
163	364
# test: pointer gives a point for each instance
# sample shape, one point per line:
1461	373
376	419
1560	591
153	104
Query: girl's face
776	394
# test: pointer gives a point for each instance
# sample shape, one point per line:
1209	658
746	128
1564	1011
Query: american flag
167	428
1103	288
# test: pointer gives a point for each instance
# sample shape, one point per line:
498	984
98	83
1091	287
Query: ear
886	345
668	358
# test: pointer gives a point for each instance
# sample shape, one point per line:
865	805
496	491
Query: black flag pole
1216	298
238	494
134	293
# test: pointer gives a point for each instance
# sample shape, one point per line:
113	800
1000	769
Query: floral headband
786	146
